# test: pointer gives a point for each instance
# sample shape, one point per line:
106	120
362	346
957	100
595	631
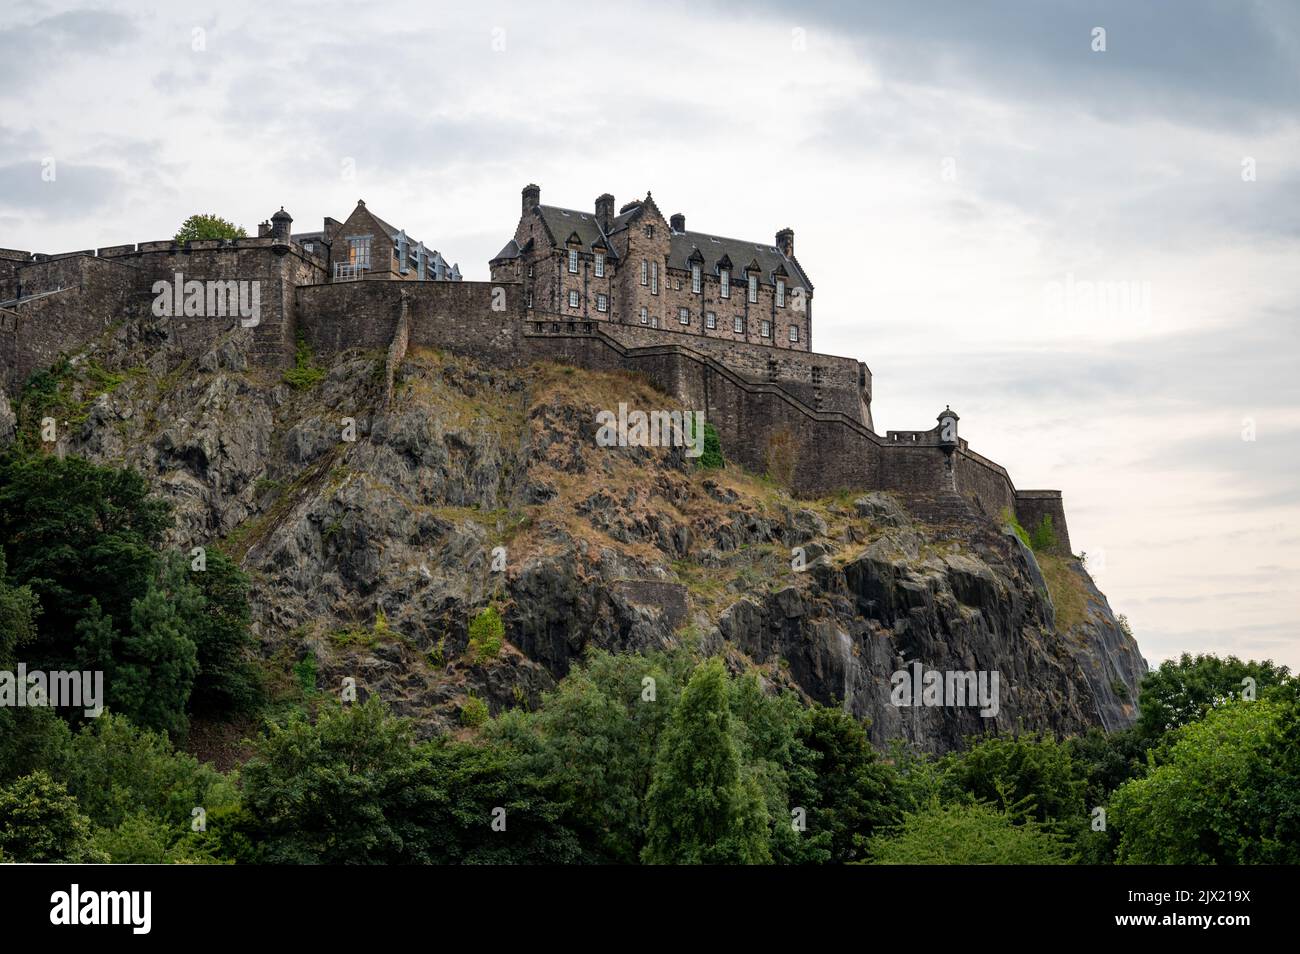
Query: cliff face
374	533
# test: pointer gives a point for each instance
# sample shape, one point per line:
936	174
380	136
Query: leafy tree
1178	693
75	532
703	809
967	834
30	737
1229	792
143	839
40	822
200	226
227	681
1027	775
594	740
355	788
851	793
117	769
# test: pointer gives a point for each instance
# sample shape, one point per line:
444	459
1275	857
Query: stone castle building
722	325
638	268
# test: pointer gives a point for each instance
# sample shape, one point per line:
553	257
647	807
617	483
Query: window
765	329
528	299
794	332
649	231
645	272
359	251
684	315
654	322
602	304
573	262
654	278
573	299
309	246
695	279
739	325
780	293
530	271
600	265
724	279
710	320
645	316
753	287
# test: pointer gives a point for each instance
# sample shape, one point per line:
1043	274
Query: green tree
201	226
76	532
703	809
117	769
1181	692
1026	775
851	794
594	741
155	668
227	681
967	834
1229	792
41	822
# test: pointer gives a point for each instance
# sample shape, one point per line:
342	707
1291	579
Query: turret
948	439
280	223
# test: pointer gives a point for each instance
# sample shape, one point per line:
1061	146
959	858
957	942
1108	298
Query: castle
723	325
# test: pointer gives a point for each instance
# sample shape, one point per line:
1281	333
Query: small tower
280	223
948	429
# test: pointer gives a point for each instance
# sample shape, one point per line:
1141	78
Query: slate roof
714	248
562	223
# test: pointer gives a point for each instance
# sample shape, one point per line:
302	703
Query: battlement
800	416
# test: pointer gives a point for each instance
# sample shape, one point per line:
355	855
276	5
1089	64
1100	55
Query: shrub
974	834
1044	536
474	712
304	374
487	633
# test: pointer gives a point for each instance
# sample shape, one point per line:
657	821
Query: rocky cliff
376	529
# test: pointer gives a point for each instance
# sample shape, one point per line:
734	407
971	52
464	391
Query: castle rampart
803	417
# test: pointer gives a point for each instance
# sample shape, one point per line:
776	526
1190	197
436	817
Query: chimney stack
532	197
605	211
785	242
678	222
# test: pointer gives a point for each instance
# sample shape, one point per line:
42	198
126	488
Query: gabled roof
712	249
564	224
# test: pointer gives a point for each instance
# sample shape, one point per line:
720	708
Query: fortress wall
845	383
475	318
94	295
908	466
1033	505
759	426
984	482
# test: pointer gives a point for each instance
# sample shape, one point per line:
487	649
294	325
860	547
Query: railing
348	272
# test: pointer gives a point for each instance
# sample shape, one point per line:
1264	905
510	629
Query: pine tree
703	809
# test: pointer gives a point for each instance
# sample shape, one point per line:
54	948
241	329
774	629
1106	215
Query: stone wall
1033	505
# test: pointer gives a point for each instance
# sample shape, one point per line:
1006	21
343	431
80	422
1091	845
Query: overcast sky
959	176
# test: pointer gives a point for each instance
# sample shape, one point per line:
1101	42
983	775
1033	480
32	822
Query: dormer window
573	262
695	279
753	287
780	295
724	281
645	272
600	265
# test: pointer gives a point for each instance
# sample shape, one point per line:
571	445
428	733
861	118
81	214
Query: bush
487	634
474	712
304	374
41	823
1044	536
973	834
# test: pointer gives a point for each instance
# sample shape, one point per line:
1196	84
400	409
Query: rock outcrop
376	524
